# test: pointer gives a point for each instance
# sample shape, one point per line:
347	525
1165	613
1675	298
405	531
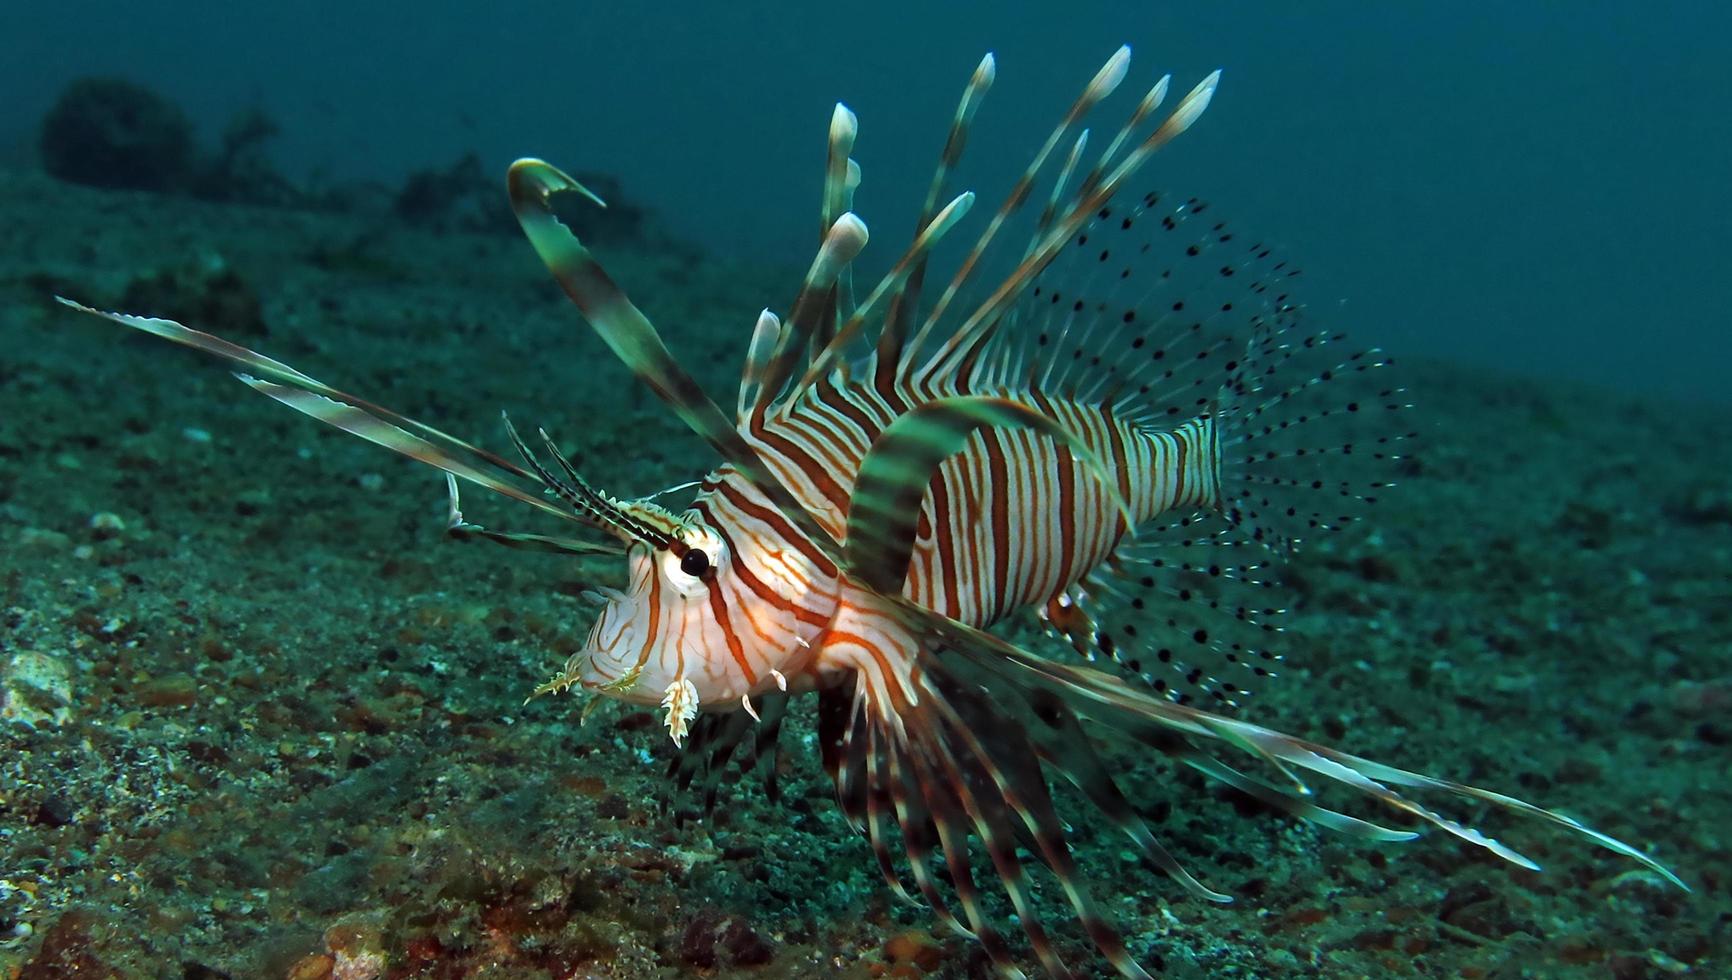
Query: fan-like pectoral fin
633	339
884	511
930	740
1114	704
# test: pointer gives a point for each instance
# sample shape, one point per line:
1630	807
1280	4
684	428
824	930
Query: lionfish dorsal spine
633	338
766	334
905	301
1105	81
969	339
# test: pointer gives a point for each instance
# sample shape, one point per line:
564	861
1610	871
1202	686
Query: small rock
173	691
698	944
36	688
42	540
710	935
1704	505
356	952
106	525
914	947
745	946
54	811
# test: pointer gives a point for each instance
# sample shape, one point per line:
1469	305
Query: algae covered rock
109	132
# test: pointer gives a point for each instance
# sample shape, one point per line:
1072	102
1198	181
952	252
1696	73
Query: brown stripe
655	614
946	573
1121	466
977	575
898	697
831	460
719	609
998	492
744	573
779	526
797	456
1181	447
840	402
1067	539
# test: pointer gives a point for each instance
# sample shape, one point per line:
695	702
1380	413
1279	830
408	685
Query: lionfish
1124	431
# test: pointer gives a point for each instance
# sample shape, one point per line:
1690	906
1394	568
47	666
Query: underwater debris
110	132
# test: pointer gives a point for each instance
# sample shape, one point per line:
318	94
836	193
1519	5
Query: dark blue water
1537	187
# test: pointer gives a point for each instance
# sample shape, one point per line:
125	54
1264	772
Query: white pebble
36	688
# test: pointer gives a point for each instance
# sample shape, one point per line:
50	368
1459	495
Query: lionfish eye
694	562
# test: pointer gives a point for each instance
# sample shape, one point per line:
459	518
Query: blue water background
1538	187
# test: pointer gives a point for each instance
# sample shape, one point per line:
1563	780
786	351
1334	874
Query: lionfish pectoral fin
960	762
1111	702
1058	735
1400	777
633	338
884	512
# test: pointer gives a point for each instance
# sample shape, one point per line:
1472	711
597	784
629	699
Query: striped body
1013	519
1010	522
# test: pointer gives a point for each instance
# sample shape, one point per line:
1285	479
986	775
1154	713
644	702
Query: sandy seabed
265	721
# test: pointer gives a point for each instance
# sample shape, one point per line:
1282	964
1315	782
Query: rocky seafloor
263	720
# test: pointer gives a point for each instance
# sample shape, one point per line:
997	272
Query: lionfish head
652	640
667	638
